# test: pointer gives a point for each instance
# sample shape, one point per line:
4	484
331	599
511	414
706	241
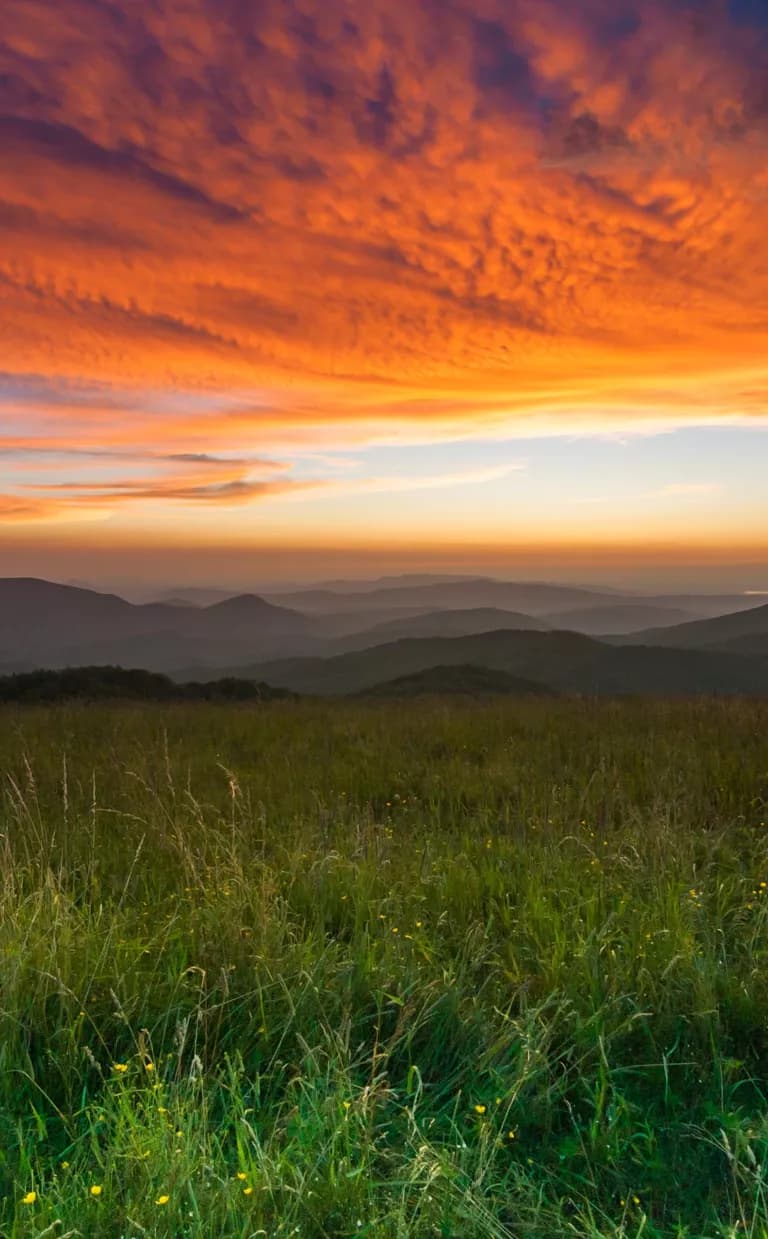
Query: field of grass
393	971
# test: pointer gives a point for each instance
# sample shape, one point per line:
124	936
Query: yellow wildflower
29	1199
479	1109
96	1189
162	1200
242	1176
247	1191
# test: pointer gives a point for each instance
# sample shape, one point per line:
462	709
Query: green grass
463	971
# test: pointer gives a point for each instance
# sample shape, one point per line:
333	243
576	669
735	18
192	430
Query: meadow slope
333	969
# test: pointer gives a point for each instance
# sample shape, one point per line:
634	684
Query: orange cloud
345	222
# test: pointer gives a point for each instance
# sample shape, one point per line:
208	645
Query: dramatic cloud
240	229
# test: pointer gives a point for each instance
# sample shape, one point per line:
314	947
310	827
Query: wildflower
120	1067
635	1200
242	1176
346	1104
162	1200
29	1199
419	924
96	1189
247	1191
395	930
512	1134
65	1165
148	1066
161	1110
480	1109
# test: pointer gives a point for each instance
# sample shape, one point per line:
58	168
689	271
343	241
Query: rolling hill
459	680
624	616
458	623
741	630
562	661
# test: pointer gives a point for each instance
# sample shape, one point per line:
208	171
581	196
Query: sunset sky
294	288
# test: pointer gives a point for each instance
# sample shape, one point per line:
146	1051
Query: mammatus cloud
330	224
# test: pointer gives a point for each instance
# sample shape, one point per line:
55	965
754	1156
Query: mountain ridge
562	661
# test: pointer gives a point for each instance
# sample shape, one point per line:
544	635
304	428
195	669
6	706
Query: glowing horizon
311	279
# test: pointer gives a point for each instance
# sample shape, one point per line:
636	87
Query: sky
306	288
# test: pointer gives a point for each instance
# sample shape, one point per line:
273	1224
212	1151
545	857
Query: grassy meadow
468	971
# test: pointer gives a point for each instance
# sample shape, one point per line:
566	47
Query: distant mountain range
532	598
387	631
42	624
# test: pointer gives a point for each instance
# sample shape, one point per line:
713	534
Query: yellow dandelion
247	1191
95	1189
242	1176
29	1199
120	1067
480	1109
162	1200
